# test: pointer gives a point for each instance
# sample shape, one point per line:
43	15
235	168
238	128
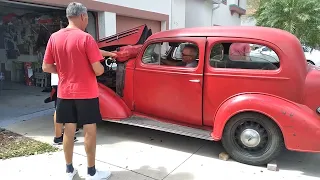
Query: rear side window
240	55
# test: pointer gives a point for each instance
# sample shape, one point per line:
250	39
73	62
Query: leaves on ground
16	145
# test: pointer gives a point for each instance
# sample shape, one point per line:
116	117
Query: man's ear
83	17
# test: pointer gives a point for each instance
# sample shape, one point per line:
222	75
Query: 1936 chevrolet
255	103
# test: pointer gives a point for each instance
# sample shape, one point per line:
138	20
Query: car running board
165	127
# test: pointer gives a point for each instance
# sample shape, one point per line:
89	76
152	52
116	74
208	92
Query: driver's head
189	53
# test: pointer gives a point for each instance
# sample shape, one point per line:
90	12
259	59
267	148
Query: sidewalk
143	154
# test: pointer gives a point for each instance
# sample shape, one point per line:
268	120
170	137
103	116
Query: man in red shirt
239	51
77	62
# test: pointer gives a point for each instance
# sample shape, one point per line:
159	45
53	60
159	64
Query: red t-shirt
74	51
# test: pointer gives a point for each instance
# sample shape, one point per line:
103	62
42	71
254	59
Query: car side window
233	55
179	54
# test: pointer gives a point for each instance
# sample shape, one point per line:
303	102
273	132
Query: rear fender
298	123
111	105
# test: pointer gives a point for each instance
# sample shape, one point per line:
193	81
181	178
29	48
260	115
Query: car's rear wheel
252	138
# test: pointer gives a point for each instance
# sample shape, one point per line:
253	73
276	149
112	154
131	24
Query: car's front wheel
252	138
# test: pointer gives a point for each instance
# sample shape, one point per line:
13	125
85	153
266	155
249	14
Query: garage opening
24	32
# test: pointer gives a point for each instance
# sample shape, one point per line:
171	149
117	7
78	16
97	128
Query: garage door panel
125	23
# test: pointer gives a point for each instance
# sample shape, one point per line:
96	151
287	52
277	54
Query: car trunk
311	96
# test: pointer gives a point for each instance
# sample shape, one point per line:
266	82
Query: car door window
179	54
235	55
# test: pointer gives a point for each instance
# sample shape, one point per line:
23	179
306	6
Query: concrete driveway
143	154
21	101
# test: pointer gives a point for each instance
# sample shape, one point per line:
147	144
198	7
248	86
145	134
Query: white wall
243	4
248	21
158	6
178	14
107	24
200	13
222	17
182	13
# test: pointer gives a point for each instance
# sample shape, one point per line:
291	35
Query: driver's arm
168	62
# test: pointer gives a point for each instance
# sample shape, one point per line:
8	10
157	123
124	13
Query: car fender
297	123
111	105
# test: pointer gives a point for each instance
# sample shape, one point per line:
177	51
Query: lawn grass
15	145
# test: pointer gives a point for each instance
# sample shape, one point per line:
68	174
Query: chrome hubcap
250	138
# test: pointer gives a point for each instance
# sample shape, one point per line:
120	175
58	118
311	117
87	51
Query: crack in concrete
183	162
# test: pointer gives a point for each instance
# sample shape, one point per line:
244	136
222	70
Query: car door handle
194	80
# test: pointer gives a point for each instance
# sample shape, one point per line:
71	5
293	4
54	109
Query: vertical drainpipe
218	2
171	17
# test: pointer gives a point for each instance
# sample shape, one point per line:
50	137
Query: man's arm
107	54
170	63
94	55
247	51
49	68
48	60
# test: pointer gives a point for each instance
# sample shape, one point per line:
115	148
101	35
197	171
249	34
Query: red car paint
111	105
289	96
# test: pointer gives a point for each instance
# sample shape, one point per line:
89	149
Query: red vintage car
212	83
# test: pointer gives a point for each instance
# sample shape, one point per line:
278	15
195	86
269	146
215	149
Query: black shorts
80	111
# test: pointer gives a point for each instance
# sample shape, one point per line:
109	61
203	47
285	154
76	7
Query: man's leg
57	130
68	142
88	115
66	113
58	127
90	136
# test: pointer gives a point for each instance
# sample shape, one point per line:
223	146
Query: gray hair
75	9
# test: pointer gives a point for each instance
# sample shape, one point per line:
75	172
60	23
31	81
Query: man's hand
108	54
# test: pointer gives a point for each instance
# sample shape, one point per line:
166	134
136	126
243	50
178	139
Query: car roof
272	35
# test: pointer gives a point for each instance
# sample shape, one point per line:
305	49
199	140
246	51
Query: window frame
96	24
195	40
212	41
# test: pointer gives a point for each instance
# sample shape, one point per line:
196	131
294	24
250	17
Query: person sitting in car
189	55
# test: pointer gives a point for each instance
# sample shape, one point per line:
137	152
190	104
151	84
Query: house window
179	54
237	55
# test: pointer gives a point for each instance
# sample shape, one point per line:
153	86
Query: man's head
189	53
77	15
